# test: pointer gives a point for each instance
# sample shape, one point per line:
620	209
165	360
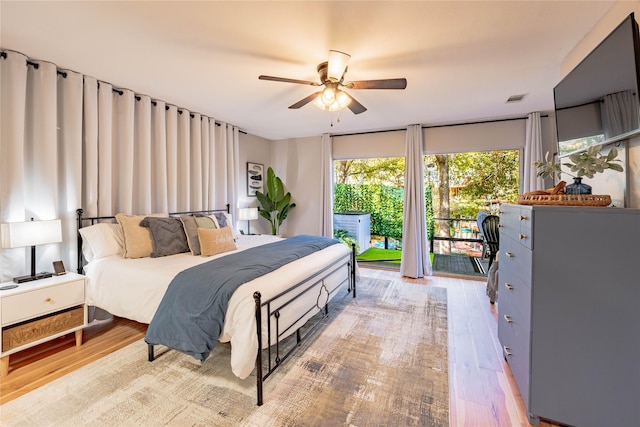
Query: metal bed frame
275	356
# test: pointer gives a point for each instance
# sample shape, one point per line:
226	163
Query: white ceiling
462	59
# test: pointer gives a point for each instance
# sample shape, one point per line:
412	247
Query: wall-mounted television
597	102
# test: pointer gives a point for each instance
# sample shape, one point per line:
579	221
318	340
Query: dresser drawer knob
509	254
508	286
523	218
523	236
507	351
48	299
508	318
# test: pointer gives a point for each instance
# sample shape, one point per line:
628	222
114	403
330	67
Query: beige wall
297	162
256	150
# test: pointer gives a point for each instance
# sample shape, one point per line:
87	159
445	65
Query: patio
467	261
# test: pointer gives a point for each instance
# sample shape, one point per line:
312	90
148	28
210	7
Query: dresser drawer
514	301
516	222
41	301
509	224
516	351
516	259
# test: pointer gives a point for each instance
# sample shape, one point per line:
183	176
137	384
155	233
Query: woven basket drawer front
28	332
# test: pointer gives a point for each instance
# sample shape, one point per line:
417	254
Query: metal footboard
273	308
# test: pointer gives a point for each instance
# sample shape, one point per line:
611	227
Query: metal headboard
95	219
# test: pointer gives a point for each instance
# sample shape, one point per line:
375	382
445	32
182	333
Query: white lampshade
338	62
247	214
30	233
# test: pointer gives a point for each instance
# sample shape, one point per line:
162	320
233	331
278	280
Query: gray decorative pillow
221	218
167	235
191	230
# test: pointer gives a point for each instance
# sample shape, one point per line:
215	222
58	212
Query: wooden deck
456	264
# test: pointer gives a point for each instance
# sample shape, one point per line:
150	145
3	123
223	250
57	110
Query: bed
278	304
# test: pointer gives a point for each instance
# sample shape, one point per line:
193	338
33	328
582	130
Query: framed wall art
255	178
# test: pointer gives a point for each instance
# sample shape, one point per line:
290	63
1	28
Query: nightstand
39	311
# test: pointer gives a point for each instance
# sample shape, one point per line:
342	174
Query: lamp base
29	278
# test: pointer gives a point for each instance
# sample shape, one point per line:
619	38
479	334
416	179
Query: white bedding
133	288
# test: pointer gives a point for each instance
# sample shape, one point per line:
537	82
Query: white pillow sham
102	240
223	219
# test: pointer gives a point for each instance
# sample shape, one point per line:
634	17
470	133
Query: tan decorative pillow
215	241
137	239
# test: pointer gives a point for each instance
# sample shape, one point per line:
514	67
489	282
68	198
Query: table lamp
248	214
31	233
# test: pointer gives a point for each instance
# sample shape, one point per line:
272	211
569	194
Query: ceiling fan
332	97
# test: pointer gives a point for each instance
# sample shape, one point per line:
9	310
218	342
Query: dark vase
577	187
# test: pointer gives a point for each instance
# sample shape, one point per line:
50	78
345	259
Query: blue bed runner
191	314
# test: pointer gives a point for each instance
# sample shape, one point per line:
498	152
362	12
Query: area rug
379	360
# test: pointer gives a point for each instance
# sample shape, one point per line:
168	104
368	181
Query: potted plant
275	204
587	163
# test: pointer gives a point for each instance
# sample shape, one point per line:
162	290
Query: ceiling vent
516	98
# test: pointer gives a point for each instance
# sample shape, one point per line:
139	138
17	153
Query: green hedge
384	203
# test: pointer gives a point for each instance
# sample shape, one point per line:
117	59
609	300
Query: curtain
619	113
326	178
151	157
232	167
532	153
415	252
69	170
40	156
69	141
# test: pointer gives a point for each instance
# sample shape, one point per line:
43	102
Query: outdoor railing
456	230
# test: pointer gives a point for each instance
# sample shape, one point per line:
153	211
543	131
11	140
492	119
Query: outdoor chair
479	218
491	235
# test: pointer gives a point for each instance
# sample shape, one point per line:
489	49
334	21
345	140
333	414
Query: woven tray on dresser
565	199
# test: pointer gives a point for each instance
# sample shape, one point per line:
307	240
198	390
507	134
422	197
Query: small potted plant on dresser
584	164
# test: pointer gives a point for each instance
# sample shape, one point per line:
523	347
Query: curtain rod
436	126
370	132
154	103
35	65
597	101
481	122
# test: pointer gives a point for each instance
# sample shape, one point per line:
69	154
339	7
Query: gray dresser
569	312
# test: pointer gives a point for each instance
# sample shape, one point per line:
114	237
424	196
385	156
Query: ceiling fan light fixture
340	101
343	99
338	62
328	96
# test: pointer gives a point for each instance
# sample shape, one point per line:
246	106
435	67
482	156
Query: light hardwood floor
482	389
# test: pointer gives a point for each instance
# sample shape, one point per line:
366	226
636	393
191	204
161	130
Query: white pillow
101	240
227	222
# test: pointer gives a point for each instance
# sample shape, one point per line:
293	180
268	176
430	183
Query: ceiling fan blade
338	62
378	84
286	80
305	101
355	106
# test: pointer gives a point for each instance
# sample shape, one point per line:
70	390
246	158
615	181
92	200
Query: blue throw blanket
191	314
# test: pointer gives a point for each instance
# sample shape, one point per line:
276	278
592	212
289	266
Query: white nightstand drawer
38	302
